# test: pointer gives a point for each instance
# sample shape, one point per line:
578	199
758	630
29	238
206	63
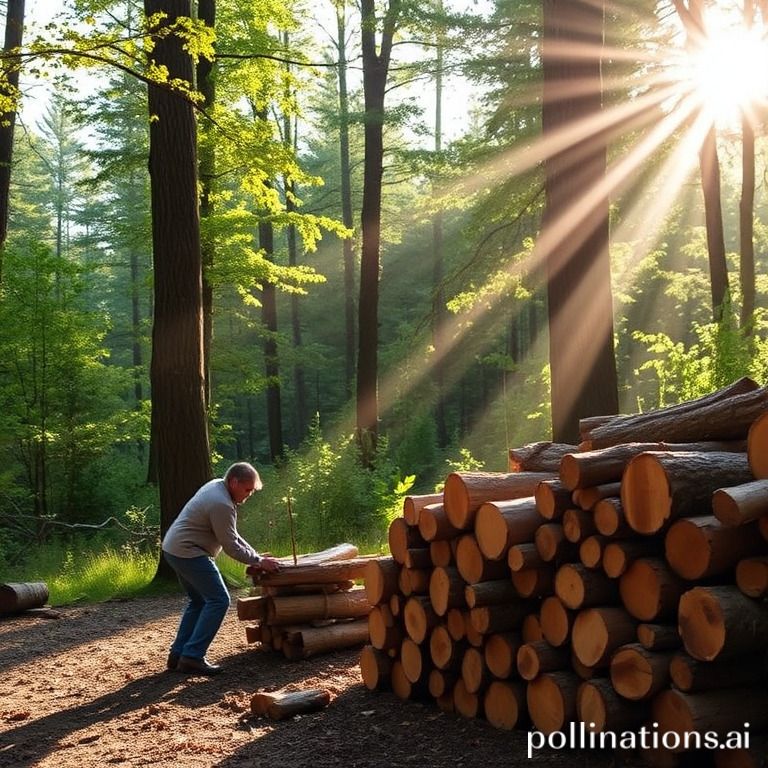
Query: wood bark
637	673
504	704
375	668
434	523
500	524
522	556
538	457
660	487
692	676
381	577
619	555
301	609
446	590
698	547
757	447
499	618
658	637
496	592
552	499
578	524
21	596
537	657
473	566
534	582
610	519
578	587
721	623
742	503
412	506
280	706
403	537
597	702
587	498
465	492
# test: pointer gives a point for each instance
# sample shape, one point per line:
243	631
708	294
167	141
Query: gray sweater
206	525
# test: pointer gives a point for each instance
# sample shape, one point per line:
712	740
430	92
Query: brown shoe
173	661
197	666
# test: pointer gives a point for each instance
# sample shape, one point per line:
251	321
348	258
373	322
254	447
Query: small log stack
310	607
618	582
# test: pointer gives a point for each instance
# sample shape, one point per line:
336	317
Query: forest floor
90	689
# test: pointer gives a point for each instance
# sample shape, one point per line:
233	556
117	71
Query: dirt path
90	690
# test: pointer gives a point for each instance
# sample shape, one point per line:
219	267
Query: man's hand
268	565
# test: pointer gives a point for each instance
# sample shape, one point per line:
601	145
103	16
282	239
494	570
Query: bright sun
730	72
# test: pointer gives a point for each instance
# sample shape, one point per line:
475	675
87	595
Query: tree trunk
574	242
375	70
538	457
179	423
746	225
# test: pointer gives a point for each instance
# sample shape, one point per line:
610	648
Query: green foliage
332	497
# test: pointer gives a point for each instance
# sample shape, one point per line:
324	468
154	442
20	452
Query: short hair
242	470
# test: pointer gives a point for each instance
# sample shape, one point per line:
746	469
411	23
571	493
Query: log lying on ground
660	487
752	576
637	673
757	447
606	465
279	706
412	506
697	547
339	552
465	492
723	415
310	641
538	457
741	504
21	596
721	622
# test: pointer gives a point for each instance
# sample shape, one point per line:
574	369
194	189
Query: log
530	629
302	609
619	555
578	524
698	547
723	415
418	558
16	597
753	756
500	652
763	525
658	637
416	661
412	506
381	579
396	604
587	498
465	492
282	705
552	499
606	465
420	617
499	618
383	631
446	590
456	623
441	682
715	711
440	553
434	524
638	674
474	637
403	537
602	709
500	524
504	704
538	457
551	543
252	633
591	551
660	487
465	703
320	573
537	657
289	590
721	622
521	556
610	519
403	688
445	652
650	591
692	676
310	641
473	565
752	576
474	671
375	668
251	608
551	700
496	592
757	447
556	621
412	581
741	504
598	632
534	582
578	587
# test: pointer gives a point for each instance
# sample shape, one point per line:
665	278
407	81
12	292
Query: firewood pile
310	607
615	583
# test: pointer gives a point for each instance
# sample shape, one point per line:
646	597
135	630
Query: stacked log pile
310	607
617	583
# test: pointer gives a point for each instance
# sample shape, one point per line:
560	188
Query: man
206	525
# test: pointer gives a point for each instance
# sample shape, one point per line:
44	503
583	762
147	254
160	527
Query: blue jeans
208	604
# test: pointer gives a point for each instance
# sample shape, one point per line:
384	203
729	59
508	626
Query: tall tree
376	60
9	89
179	424
575	242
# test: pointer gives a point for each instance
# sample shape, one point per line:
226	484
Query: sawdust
91	689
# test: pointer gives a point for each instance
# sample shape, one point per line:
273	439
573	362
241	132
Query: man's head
242	480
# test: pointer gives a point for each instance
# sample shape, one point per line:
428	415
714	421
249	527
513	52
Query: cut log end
645	494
